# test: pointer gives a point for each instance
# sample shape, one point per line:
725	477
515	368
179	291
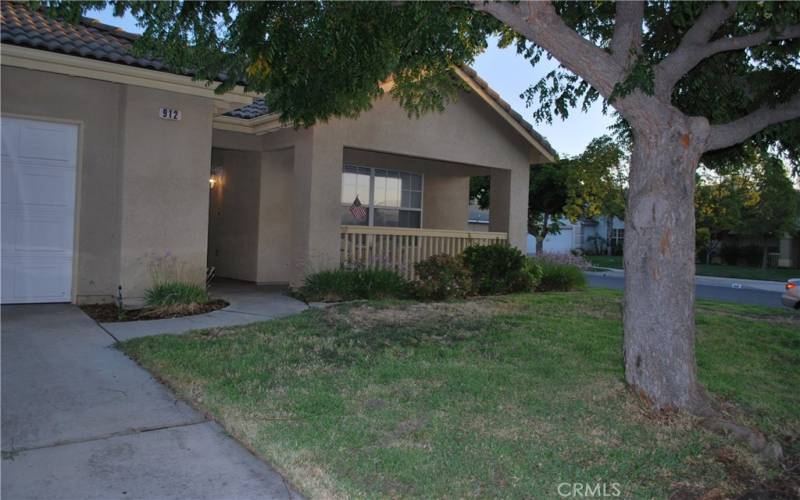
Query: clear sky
507	73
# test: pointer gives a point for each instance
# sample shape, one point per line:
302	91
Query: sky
509	74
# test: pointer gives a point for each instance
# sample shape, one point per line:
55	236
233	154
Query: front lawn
509	396
719	270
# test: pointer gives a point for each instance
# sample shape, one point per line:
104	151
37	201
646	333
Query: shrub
497	268
560	277
353	284
442	277
564	258
170	293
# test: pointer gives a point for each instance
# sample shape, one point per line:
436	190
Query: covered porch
413	208
282	207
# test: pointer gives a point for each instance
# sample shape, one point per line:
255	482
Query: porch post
508	204
317	188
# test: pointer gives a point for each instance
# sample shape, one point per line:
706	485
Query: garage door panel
38	188
39	140
42	234
10	142
32	280
44	187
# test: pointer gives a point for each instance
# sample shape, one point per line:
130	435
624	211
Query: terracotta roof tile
92	39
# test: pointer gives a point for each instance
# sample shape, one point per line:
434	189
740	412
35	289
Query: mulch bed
110	313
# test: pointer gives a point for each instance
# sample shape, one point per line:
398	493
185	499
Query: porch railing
400	249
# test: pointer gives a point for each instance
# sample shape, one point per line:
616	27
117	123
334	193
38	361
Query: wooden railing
400	249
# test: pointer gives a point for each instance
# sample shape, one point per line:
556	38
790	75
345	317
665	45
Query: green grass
497	397
723	271
353	284
172	293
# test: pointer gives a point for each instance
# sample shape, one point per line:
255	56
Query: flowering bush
442	277
563	258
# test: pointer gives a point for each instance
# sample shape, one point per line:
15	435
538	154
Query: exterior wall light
216	177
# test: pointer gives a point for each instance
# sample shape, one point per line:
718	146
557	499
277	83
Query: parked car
791	297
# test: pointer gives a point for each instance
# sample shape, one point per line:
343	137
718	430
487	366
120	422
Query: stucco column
165	193
317	188
508	205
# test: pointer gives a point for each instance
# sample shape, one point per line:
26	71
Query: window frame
372	205
615	235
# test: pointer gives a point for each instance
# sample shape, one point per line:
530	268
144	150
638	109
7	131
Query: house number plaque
169	114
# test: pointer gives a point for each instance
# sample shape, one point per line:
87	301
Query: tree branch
540	23
732	133
627	31
751	40
670	70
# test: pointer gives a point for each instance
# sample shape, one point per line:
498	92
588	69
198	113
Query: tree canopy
316	60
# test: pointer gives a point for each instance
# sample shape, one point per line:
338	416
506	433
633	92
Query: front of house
111	162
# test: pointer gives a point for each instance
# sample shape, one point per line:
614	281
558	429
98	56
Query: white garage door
38	210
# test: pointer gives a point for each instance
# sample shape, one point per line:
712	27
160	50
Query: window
392	198
617	237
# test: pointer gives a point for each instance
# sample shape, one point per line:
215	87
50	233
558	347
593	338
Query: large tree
690	80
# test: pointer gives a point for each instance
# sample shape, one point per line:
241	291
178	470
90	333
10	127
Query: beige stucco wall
96	106
234	215
165	170
276	219
468	132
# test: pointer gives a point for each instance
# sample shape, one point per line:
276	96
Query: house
587	236
110	161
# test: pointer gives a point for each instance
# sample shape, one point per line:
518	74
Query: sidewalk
249	303
768	286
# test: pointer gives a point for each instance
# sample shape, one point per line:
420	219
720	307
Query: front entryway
39	162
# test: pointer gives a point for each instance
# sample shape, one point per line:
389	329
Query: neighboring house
585	235
107	157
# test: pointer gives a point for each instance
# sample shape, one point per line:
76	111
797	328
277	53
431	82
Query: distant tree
547	198
720	203
479	190
775	209
597	184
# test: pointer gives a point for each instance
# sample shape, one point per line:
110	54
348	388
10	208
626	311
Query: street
727	290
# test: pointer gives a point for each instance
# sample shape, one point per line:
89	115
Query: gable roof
23	27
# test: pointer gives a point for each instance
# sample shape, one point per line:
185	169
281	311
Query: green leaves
641	77
318	60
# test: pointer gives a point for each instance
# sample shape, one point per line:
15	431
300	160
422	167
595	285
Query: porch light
216	177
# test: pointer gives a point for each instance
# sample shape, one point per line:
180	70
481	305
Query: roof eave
56	62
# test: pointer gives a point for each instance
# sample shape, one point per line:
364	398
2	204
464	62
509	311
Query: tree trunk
764	252
609	234
659	256
542	234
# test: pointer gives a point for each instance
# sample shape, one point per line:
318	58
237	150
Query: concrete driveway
81	420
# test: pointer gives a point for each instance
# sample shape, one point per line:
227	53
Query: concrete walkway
248	303
81	420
